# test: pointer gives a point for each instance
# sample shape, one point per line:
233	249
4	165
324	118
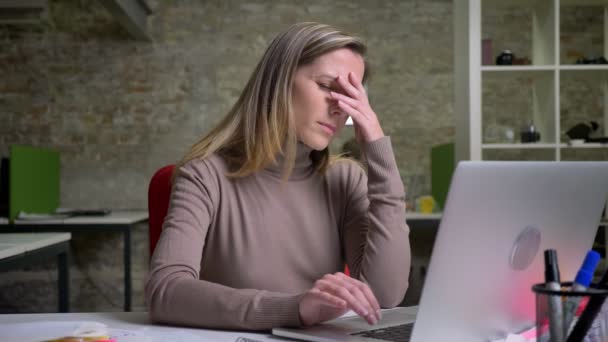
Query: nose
335	111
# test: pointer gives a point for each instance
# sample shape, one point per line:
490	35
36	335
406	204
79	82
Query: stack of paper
34	217
49	331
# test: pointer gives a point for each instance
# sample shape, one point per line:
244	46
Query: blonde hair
260	125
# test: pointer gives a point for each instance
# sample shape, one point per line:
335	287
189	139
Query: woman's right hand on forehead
334	295
356	104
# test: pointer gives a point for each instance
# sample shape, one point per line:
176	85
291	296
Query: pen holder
558	313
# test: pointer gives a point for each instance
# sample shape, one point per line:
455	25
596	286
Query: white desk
415	216
116	221
137	322
20	243
116	217
19	249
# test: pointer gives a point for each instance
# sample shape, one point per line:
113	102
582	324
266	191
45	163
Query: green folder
442	167
33	180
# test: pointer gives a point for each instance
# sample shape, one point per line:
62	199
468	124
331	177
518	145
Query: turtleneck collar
302	165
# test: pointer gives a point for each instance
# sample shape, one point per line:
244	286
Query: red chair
159	192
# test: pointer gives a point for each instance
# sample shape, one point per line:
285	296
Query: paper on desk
49	330
35	216
44	331
123	335
159	335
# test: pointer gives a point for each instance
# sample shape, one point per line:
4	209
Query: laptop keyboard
397	333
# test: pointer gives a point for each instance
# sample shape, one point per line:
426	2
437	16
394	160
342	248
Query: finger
328	298
337	96
353	286
357	116
355	82
364	288
343	293
371	312
371	298
362	292
348	87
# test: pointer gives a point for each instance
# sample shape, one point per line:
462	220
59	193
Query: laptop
498	219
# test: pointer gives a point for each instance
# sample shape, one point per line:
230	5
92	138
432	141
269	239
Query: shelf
584	67
583	3
501	68
583	94
579	41
585	145
493	101
533	146
518	3
529	146
412	215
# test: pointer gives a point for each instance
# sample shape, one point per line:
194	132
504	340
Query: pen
588	316
555	302
581	282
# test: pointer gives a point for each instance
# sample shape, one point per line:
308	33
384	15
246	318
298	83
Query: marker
589	314
556	326
581	283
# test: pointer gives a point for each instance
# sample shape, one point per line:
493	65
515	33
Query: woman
261	221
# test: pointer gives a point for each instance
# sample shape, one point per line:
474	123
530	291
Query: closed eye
324	86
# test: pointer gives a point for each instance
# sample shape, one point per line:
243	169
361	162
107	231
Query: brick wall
118	109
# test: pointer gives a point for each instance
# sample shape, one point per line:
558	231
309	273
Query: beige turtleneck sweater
240	253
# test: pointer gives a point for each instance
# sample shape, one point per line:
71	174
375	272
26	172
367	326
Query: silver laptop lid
498	218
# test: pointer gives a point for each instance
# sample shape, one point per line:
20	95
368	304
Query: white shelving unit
543	76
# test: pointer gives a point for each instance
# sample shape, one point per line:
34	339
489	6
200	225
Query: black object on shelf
582	130
529	134
598	60
505	58
601	140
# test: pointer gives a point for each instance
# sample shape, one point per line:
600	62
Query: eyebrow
332	77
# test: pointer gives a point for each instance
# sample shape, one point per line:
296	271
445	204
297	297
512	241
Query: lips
328	127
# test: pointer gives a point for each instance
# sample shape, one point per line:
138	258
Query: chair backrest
159	192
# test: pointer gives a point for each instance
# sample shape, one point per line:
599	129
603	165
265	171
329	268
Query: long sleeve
175	294
376	235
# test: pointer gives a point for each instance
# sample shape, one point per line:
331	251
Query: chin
317	145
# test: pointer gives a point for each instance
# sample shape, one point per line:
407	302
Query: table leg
63	279
127	260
